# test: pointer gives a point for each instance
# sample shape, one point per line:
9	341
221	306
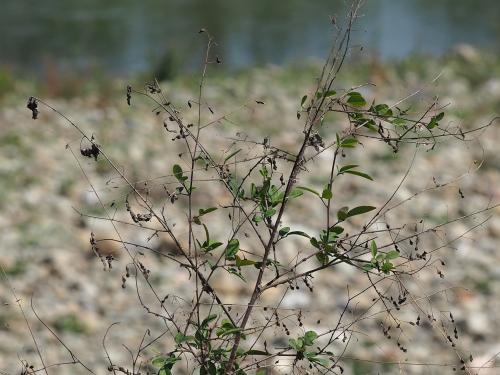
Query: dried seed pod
33	107
91	152
129	94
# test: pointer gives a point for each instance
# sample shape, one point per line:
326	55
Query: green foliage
350	170
345	213
232	248
355	99
301	346
164	364
381	261
179	174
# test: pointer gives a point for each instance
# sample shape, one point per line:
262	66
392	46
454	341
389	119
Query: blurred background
80	55
126	37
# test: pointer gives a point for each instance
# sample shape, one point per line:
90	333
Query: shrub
264	242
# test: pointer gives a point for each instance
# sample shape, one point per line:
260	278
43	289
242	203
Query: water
127	36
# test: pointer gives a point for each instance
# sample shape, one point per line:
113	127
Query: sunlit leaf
342	213
308	189
359	210
309	337
232	248
244	262
347	167
374	249
204	211
360	174
356	99
283	231
349	143
177	170
327	193
392	255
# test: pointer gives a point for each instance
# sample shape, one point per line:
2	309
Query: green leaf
332	237
236	189
322	258
297	344
327	193
236	272
342	213
315	243
435	121
231	331
360	174
335	229
392	255
300	342
209	369
308	189
231	155
398	121
208	319
359	210
164	364
212	245
325	94
298	233
295	193
257	218
227	328
293	344
207	234
177	170
356	99
158	362
269	212
244	262
432	124
382	110
374	249
204	211
309	337
232	248
349	143
347	167
387	267
224	324
312	357
304	98
180	338
283	231
255	352
275	196
369	266
264	172
370	124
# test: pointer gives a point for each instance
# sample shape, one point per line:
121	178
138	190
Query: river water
128	36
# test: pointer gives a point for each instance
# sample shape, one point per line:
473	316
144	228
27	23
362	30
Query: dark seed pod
33	107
